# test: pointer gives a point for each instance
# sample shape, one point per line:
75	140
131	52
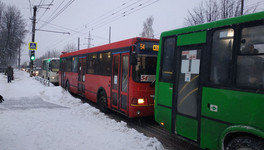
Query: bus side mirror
133	58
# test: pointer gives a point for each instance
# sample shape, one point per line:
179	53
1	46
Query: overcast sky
79	17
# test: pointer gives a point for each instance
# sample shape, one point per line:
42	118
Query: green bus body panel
165	94
211	132
183	122
234	108
163	113
193	38
246	108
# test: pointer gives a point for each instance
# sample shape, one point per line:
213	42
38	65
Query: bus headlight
52	78
139	101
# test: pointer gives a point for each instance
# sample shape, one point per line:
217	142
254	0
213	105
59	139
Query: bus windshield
54	64
145	70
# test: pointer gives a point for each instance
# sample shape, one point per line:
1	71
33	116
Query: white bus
50	69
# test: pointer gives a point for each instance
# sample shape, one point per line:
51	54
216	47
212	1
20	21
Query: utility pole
78	43
242	7
109	34
19	53
89	40
33	38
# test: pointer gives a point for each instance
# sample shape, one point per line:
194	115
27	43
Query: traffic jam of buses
194	87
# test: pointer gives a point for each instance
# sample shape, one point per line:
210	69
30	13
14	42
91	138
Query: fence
43	81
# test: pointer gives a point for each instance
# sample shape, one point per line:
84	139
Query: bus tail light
162	123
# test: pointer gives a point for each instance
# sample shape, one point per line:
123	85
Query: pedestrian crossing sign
32	46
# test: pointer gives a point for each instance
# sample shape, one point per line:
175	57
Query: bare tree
148	32
70	47
12	33
212	10
49	54
1	10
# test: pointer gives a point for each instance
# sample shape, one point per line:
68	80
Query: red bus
116	76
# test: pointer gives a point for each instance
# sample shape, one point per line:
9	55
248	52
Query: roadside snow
35	117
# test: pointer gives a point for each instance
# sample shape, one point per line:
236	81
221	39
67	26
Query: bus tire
245	142
67	86
102	102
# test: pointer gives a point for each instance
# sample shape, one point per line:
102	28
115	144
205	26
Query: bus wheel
67	86
245	143
102	102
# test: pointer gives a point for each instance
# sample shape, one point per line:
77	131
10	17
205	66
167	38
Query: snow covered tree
148	32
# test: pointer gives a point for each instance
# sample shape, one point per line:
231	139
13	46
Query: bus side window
221	56
44	65
169	45
250	62
91	63
74	64
104	64
68	64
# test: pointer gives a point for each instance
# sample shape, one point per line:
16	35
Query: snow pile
35	117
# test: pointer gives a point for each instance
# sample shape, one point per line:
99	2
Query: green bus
210	83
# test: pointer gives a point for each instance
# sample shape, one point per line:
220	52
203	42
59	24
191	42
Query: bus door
81	75
119	88
186	89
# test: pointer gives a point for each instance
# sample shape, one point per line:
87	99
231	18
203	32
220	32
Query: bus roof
119	44
215	24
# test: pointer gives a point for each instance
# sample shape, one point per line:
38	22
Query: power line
114	13
124	14
45	10
56	9
109	12
40	3
102	17
53	31
57	26
60	11
80	31
111	19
